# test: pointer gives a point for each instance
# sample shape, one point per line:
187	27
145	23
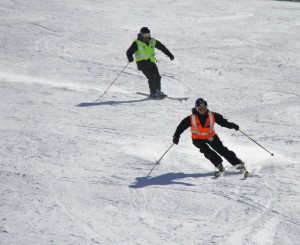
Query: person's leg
151	72
156	77
230	156
151	79
208	152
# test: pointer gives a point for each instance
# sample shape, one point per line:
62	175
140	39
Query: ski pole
112	82
159	160
256	142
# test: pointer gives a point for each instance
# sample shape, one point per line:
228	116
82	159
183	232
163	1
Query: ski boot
241	167
162	95
221	169
155	95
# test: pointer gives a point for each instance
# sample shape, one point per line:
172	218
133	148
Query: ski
148	95
243	170
165	97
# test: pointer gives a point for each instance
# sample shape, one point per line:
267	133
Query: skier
143	48
205	138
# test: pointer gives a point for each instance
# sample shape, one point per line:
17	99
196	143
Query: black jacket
186	122
133	48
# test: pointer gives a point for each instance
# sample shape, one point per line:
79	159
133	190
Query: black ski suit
149	68
210	147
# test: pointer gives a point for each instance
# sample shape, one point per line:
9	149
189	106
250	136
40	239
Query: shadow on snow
112	102
166	179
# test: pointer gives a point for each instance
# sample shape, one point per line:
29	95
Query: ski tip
246	174
218	174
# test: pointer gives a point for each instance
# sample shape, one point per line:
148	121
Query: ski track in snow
74	169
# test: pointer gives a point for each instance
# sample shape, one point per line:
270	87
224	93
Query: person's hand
171	57
131	59
236	127
175	140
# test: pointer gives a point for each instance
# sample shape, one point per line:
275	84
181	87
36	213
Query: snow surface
74	171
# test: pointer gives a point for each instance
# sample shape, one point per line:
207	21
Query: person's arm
224	122
163	49
184	124
132	49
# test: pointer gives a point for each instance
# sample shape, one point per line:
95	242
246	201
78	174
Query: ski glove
175	140
236	127
171	57
131	59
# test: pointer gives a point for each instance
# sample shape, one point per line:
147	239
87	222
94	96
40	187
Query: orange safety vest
206	132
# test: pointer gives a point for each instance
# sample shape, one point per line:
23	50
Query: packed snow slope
74	170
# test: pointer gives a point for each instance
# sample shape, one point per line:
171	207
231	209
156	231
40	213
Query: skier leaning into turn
143	49
204	135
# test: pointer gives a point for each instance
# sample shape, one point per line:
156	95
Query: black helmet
144	30
200	102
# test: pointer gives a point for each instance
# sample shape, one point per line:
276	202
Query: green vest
144	51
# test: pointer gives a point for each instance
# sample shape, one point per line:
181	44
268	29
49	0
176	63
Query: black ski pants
213	148
151	72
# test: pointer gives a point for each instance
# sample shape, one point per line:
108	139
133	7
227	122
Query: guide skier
143	48
205	138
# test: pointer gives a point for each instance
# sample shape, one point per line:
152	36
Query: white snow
74	171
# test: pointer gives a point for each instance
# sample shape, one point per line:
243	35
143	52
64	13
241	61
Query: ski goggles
145	34
201	108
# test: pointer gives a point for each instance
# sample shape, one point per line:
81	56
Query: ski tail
165	97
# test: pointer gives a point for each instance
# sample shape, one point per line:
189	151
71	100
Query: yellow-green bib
144	51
